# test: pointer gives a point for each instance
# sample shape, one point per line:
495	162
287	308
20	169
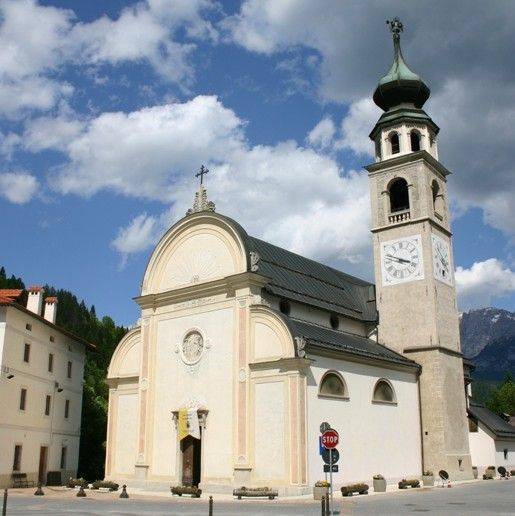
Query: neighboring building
255	346
42	368
492	439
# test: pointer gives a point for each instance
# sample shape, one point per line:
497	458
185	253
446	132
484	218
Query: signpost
329	440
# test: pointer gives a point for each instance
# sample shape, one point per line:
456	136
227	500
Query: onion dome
400	85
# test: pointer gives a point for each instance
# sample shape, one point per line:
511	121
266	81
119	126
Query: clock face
401	260
441	259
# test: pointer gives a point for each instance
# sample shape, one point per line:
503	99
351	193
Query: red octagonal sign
330	439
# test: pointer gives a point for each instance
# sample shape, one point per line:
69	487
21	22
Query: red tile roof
9	301
12	293
50	299
35	288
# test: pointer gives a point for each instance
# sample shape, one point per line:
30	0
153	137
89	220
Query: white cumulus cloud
18	187
483	282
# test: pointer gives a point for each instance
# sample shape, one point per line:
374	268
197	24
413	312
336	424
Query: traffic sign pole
331	479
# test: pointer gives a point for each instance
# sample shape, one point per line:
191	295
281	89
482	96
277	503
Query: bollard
323	505
81	492
210	506
124	494
327	511
4	510
39	490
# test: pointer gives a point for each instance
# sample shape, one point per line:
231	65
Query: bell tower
414	268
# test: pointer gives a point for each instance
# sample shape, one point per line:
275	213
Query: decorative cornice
343	354
411	157
411	222
283	364
441	349
199	290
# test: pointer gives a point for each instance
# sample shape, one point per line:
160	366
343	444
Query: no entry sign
330	439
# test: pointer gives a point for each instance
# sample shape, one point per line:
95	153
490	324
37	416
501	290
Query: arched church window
399	196
333	385
383	392
436	190
415	140
395	143
284	306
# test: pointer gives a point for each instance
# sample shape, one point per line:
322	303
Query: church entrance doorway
190	448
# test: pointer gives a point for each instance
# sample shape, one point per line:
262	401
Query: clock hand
401	260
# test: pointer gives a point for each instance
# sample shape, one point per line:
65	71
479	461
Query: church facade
259	345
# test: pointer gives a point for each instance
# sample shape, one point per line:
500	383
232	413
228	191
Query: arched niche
199	248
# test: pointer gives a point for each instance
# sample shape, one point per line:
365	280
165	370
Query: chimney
50	309
35	299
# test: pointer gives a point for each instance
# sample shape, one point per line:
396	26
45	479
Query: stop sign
330	439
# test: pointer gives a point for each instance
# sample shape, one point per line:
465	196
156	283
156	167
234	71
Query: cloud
18	187
464	64
292	195
356	126
144	153
37	41
322	135
141	233
483	282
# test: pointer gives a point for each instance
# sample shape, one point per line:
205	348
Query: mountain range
488	339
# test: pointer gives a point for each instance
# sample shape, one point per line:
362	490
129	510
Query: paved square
492	497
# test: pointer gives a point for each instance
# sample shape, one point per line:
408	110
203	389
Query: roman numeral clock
401	260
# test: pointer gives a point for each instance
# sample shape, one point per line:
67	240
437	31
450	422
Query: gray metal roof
318	337
496	424
306	281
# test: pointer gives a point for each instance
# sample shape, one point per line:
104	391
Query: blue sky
107	110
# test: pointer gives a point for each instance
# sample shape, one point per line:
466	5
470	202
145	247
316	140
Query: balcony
399	216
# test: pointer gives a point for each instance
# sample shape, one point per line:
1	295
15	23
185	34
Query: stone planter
379	485
318	492
475	472
428	480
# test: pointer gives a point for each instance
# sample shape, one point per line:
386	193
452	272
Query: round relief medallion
192	347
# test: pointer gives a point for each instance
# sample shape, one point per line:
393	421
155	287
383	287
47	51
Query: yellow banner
183	424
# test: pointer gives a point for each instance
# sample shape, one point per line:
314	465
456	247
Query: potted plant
474	471
379	484
428	478
320	489
489	473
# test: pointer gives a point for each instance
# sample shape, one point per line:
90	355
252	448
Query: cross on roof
201	173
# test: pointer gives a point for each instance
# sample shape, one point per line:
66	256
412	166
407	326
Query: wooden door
190	448
43	454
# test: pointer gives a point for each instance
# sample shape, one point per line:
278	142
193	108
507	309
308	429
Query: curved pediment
199	248
125	361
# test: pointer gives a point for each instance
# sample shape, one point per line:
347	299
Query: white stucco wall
269	430
208	383
486	451
31	427
374	438
126	434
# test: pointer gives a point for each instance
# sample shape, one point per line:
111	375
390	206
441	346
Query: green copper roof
400	85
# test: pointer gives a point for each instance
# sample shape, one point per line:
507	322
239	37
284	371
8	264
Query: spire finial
396	27
201	202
